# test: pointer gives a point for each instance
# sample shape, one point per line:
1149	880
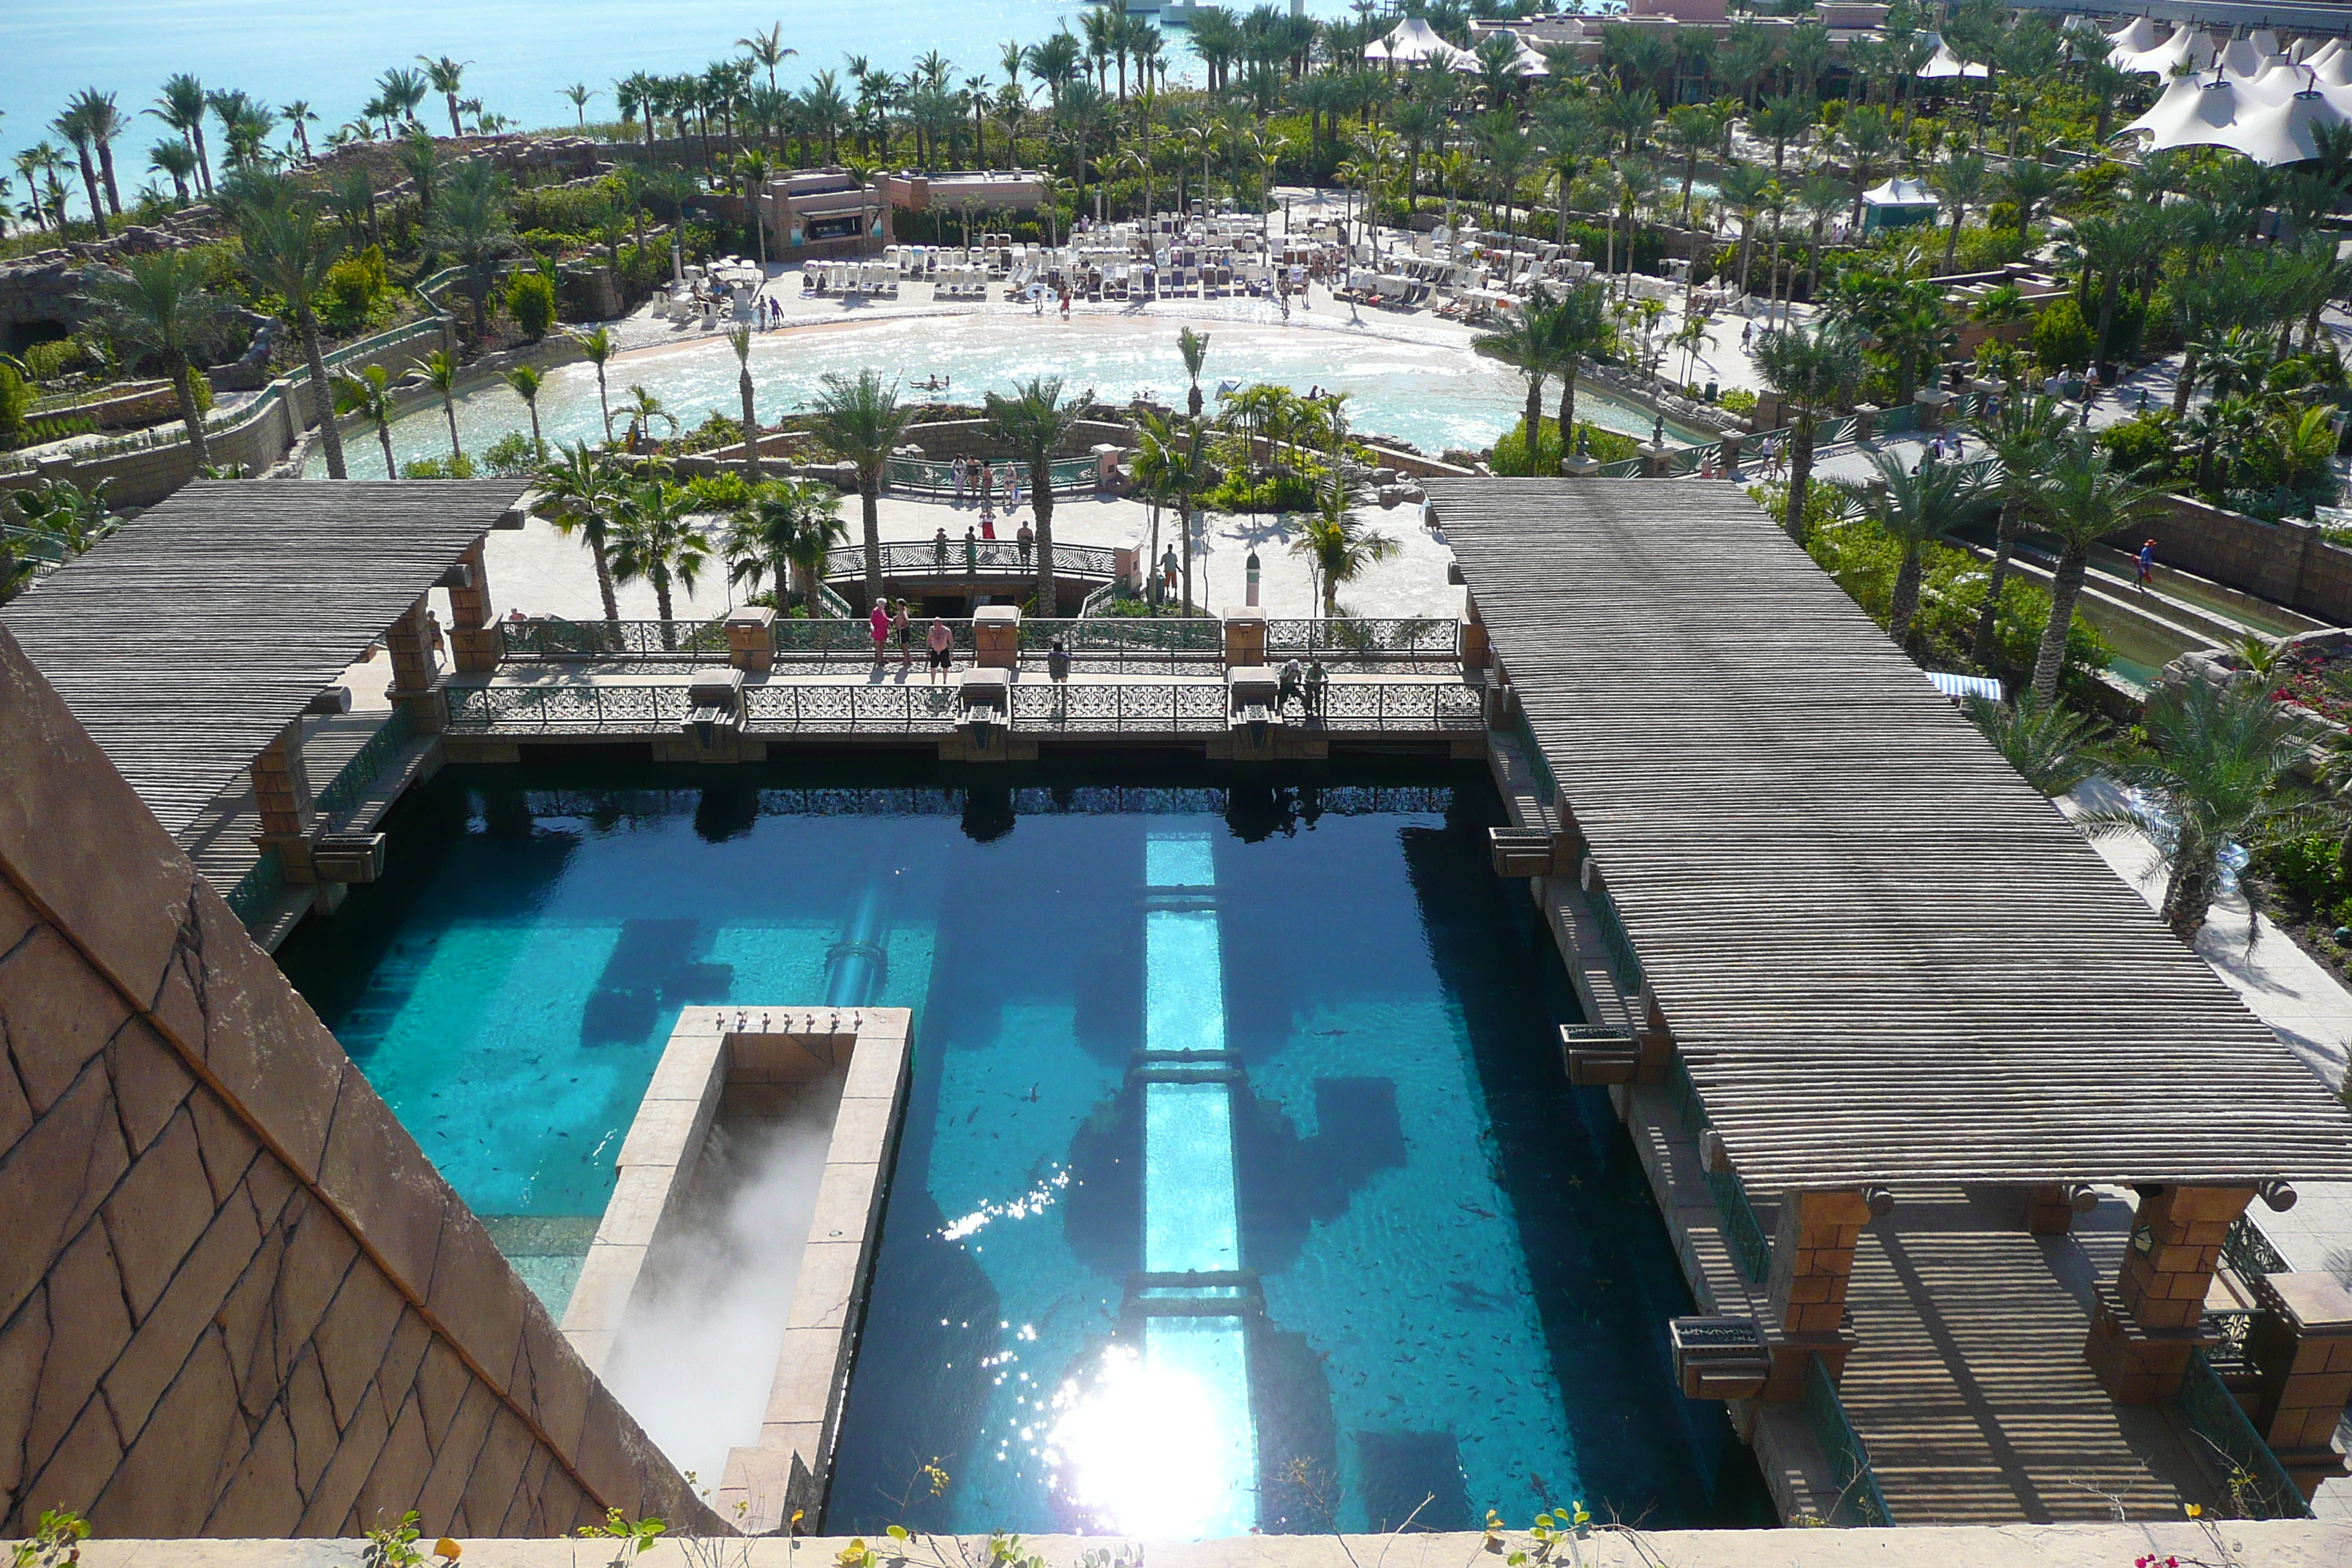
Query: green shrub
530	298
1738	400
1510	454
2311	870
58	356
2142	444
353	285
511	454
2061	338
16	397
719	492
715	430
459	466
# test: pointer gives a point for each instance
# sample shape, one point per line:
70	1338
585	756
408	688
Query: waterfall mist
694	1358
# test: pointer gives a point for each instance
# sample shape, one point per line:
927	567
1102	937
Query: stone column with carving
996	636
283	799
476	643
750	639
416	668
1812	1265
2144	1326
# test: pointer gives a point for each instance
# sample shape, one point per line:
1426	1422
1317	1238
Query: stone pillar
2145	1324
1931	403
2049	1209
1579	467
1654	458
1106	474
750	639
416	667
2301	1345
1244	640
1813	1264
476	643
1865	422
283	800
996	636
1731	443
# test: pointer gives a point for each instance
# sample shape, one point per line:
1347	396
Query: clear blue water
520	55
1289	1049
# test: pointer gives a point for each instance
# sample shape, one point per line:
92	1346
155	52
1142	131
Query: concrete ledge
2279	1543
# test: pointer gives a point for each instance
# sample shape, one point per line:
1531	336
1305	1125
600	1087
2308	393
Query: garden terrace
1877	981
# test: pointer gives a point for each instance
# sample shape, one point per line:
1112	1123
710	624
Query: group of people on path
984	482
1026	539
1306	688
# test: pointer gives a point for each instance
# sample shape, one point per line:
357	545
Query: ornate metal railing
833	603
1349	641
550	638
257	889
1743	1229
1129	644
979	557
2248	1251
353	778
2256	1484
1401	705
1547	786
1623	962
1072	708
481	709
1859	1502
1071	476
2226	1350
786	707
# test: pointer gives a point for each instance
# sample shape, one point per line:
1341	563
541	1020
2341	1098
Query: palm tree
470	222
792	523
862	421
596	346
1033	423
1782	120
1521	342
1194	348
1821	197
288	252
1914	508
2218	778
740	340
577	95
368	395
1961	181
74	126
181	107
173	157
2023	436
1868	139
162	303
641	409
1170	465
1338	547
2080	501
2053	747
768	50
104	121
299	117
2028	183
447	77
441	372
1580	331
654	541
1692	130
578	495
526	381
1815	370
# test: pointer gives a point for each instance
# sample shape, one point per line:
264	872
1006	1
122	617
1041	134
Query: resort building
830	212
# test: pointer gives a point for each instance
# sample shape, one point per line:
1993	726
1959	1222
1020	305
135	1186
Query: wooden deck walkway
1970	1385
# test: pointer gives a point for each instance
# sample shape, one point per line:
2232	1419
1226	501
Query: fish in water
1328	1034
1031	1098
1474	1209
1474	1298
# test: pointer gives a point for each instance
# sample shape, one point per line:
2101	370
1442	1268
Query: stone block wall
2289	563
235	1299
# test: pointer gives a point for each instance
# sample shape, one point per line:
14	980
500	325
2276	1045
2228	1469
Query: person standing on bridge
941	643
877	621
906	630
1027	539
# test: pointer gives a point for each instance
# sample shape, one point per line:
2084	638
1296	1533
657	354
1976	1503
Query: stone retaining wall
235	1299
2289	562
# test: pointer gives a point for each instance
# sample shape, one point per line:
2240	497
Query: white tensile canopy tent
2135	37
1415	42
1944	64
2191	113
2225	113
2283	133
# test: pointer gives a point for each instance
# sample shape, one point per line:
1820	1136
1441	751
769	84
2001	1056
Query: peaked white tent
2191	113
1944	64
2279	82
2187	46
2241	59
2331	69
2283	133
1413	42
2134	37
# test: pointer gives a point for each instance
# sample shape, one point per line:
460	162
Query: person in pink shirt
878	618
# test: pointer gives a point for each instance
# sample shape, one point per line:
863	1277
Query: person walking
939	548
2144	565
941	644
1057	661
1027	540
1291	684
957	469
971	550
906	630
1314	679
877	621
988	525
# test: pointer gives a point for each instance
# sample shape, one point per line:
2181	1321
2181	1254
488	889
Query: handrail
262	882
1396	637
2257	1485
1743	1229
550	638
1859	1501
977	557
353	778
2248	1251
1070	476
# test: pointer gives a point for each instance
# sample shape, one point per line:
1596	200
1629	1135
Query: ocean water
520	55
1433	396
1239	1188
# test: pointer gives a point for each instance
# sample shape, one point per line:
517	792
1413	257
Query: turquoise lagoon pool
1240	1186
1433	394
